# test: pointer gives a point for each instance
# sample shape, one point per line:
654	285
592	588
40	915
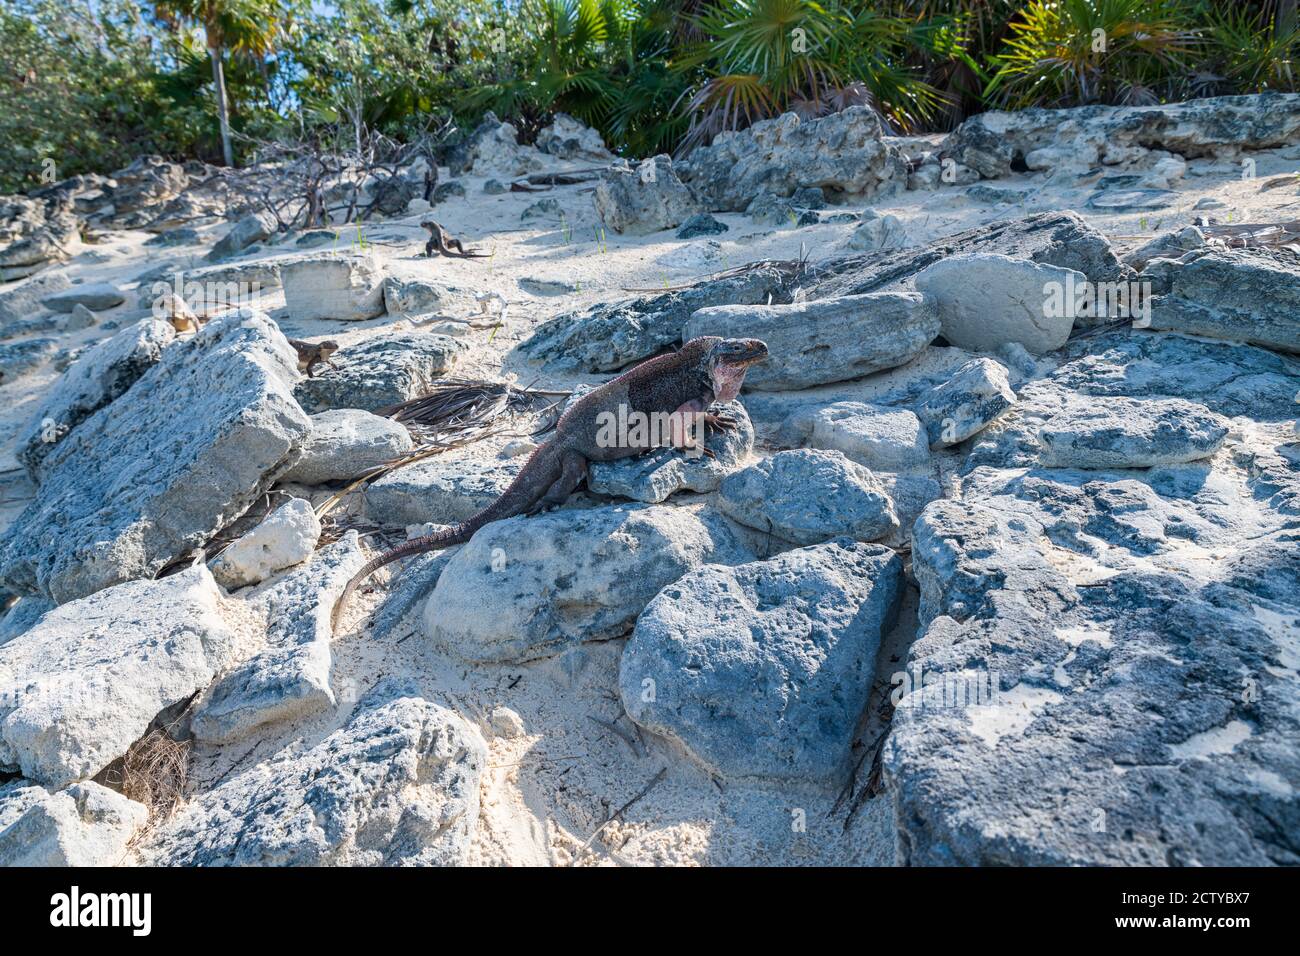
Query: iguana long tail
533	481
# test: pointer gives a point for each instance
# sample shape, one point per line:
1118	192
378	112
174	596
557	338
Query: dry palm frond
153	772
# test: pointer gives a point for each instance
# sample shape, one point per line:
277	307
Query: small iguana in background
445	244
683	384
311	354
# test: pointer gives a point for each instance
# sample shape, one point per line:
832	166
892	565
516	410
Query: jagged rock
289	677
655	476
20	301
148	182
768	210
390	197
19	358
762	670
644	199
1247	295
1168	245
1132	433
22	616
808	497
96	296
85	825
993	141
1134	721
965	404
526	588
344	443
256	227
79	318
883	439
412	296
1055	238
566	138
608	336
398	785
333	287
493	147
809	197
701	224
843	152
85	682
52	243
183	236
100	375
827	340
383	370
985	300
495	187
545	209
537	285
154	474
284	538
444	191
879	234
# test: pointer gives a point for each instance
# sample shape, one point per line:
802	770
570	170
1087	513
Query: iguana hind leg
573	468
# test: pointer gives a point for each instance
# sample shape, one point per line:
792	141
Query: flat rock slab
986	300
829	340
1245	295
1132	200
527	588
156	472
1131	433
345	443
289	677
808	497
85	825
444	489
762	670
23	299
103	373
333	287
82	685
880	438
381	371
397	785
655	476
96	296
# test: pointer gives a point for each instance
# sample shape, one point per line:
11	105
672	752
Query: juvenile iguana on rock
311	354
681	385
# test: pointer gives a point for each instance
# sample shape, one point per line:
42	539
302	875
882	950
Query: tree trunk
223	109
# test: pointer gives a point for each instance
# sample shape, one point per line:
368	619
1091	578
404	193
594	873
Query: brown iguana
681	385
311	354
444	243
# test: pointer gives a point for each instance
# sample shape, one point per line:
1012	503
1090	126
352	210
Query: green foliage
91	84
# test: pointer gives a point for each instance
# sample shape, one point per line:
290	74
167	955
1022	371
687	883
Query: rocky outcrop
977	394
762	670
333	287
842	153
493	148
1244	295
808	497
643	199
82	685
397	785
993	142
383	370
102	374
567	138
653	477
607	337
85	825
153	474
345	443
530	587
288	677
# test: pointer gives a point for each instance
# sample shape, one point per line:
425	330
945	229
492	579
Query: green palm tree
236	26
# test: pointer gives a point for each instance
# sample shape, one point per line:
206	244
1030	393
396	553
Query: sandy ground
551	786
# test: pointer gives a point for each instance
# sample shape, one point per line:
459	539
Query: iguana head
727	361
328	348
